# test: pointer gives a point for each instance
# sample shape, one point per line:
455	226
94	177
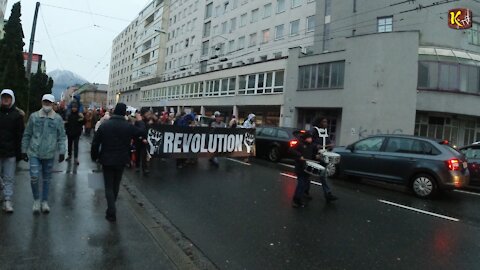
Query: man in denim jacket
43	137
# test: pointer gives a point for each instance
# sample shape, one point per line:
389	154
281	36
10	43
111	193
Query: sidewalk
76	235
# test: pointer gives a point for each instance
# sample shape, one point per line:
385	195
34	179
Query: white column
202	110
235	111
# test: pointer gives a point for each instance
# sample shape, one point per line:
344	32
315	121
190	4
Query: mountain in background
62	79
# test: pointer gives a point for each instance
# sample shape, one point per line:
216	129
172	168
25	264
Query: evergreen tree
12	69
40	84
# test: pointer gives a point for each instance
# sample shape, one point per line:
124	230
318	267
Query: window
448	76
255	13
261	83
474	34
231	46
233	24
243	20
279	29
224	27
268	132
296	3
265	36
370	144
311	23
280	6
209	11
205	46
385	24
206	29
253	40
267	10
294	27
322	76
241	43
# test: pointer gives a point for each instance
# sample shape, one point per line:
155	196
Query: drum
329	157
313	168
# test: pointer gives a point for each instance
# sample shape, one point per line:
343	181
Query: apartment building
231	55
3	8
121	63
388	67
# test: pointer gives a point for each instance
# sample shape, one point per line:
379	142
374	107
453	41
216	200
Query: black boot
330	197
296	203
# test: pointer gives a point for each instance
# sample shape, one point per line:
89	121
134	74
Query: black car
274	142
472	153
424	165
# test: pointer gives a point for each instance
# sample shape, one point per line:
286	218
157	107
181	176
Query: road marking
286	165
467	192
294	177
420	211
238	161
288	175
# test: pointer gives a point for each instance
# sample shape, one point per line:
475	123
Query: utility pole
30	55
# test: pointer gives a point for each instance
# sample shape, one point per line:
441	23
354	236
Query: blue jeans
35	165
303	183
7	172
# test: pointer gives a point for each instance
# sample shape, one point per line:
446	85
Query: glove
61	158
24	157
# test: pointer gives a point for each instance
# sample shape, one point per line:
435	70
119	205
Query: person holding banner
218	123
303	151
111	146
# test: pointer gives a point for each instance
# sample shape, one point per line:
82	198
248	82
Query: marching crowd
120	138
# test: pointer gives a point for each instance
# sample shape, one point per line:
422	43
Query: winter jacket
317	140
11	123
111	143
249	122
74	125
44	135
305	150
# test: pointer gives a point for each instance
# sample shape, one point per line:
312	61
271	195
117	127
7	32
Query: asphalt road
240	216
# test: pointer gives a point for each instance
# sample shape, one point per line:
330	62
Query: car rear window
451	149
283	134
471	153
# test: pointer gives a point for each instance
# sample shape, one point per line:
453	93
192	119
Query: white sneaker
7	206
45	207
36	207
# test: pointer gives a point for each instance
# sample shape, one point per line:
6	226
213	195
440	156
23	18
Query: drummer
306	150
322	123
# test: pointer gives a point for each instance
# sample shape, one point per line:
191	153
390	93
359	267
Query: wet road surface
75	235
241	217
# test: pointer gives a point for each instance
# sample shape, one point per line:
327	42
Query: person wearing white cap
43	137
12	125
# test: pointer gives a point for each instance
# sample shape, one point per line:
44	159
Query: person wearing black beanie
120	109
111	147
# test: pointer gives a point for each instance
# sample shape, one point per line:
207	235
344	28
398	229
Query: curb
181	251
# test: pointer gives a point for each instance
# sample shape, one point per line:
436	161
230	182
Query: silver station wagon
423	164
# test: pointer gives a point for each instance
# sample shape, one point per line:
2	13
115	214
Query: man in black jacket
111	146
12	125
73	128
303	151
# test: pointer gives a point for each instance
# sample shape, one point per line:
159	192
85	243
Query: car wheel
424	186
332	170
274	154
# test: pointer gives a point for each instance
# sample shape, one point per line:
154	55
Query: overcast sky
81	40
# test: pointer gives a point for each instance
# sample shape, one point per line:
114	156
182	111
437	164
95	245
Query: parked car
472	153
424	165
274	142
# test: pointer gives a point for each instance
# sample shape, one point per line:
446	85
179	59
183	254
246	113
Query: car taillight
293	143
453	164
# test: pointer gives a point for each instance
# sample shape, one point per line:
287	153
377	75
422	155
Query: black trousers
112	176
73	143
141	161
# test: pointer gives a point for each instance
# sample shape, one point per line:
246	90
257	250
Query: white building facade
121	63
230	56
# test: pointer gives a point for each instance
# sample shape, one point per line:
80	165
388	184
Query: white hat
48	97
217	113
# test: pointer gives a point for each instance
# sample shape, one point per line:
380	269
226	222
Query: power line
50	39
86	12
